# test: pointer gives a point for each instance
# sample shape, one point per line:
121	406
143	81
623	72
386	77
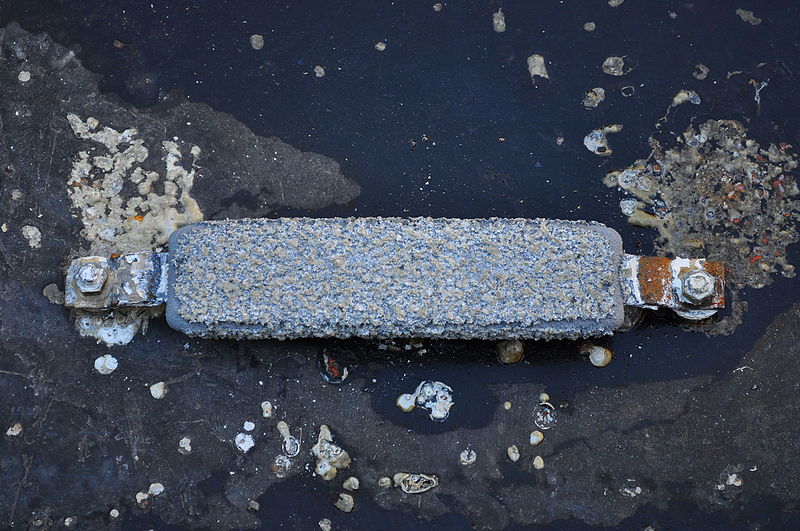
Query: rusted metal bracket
130	280
692	287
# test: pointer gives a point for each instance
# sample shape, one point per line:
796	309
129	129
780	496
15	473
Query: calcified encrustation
125	207
716	193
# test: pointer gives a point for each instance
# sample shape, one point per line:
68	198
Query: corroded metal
697	286
131	280
692	287
91	278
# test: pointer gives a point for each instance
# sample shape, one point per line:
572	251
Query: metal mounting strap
693	287
99	283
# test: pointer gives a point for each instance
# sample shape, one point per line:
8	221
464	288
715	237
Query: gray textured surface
394	277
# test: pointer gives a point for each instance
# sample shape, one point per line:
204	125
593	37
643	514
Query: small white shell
406	402
536	66
735	480
538	462
281	466
513	453
615	66
185	446
257	41
415	483
345	503
159	390
685	95
594	97
105	364
597	141
291	446
467	457
499	21
244	442
544	416
599	356
351	484
544	397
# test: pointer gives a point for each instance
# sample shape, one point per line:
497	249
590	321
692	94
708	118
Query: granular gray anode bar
392	277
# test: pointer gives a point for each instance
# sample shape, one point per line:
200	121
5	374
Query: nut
697	286
91	278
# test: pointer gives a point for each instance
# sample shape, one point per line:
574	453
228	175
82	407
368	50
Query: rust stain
718	271
655	280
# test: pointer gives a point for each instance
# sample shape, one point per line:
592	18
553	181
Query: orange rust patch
718	271
655	282
715	268
655	279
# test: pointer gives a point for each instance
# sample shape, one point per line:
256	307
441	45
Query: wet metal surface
679	429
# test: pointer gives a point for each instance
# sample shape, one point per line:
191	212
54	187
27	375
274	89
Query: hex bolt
90	278
697	286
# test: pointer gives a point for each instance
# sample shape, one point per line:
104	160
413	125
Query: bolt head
91	278
698	286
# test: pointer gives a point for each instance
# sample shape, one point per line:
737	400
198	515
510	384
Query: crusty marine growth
718	194
330	456
126	207
537	67
597	140
108	170
392	277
